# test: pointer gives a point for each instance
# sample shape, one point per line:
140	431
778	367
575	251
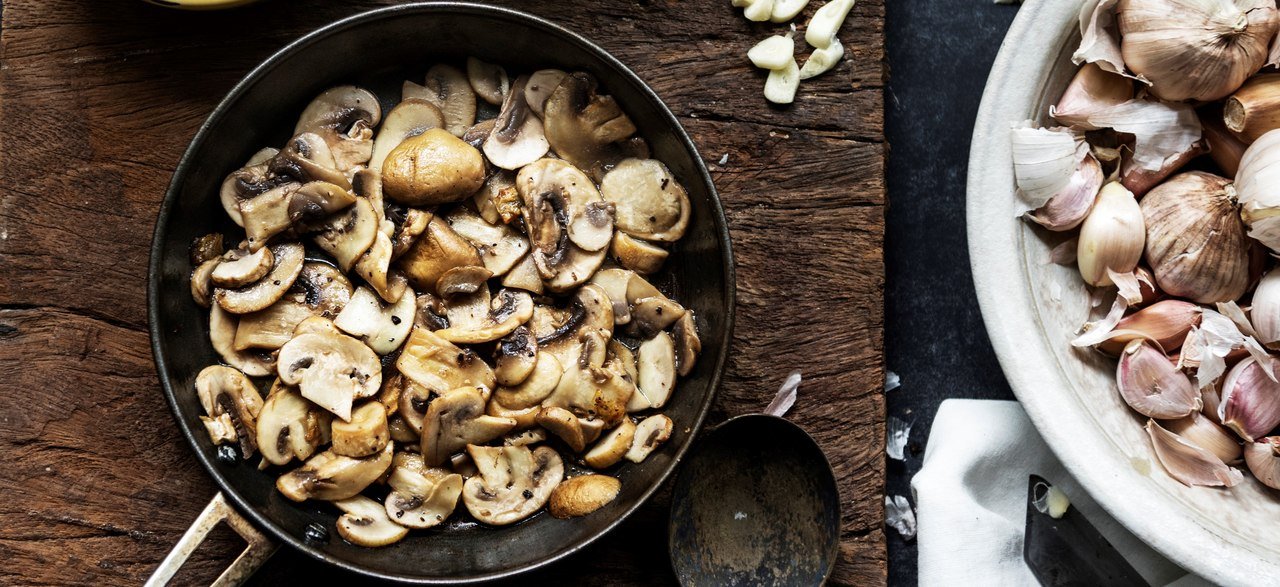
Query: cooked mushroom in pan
447	305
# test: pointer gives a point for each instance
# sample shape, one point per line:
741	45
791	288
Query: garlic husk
1152	386
1161	130
1111	236
1091	90
1207	434
1263	459
1195	49
1190	464
1210	347
1141	180
1167	322
1069	207
1195	242
1095	333
822	60
1255	108
1265	311
1225	148
1044	161
1147	286
1258	189
1250	400
1209	396
1098	41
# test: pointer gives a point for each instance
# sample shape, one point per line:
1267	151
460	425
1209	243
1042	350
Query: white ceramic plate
1032	309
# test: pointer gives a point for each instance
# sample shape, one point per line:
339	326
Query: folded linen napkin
971	500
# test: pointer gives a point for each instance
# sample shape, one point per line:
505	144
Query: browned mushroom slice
612	447
306	158
202	283
525	418
258	295
330	476
588	388
432	168
584	126
289	427
456	419
479	132
653	314
271	327
347	235
498	189
222	335
421	501
364	522
500	246
541	84
229	397
246	182
582	495
528	437
489	81
239	267
461	281
515	357
476	318
614	283
365	434
277	210
650	433
439	365
513	482
688	345
540	383
409	118
438	250
381	326
322	287
569	225
408	230
637	255
649	202
524	275
568	427
561	332
517	138
447	87
345	117
332	370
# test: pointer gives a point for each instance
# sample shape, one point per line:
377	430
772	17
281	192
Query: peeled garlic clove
824	23
1196	243
1206	434
1265	313
1188	463
1167	322
1152	385
1092	89
780	87
785	10
1263	459
1258	189
1068	208
822	60
1111	237
773	53
1250	404
1199	50
758	10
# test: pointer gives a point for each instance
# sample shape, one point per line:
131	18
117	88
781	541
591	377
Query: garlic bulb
1092	89
1263	458
1250	404
1196	243
1152	386
1258	189
1111	236
1265	314
1188	463
1196	49
1206	434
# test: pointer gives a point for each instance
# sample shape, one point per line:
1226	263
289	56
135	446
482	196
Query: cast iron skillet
378	50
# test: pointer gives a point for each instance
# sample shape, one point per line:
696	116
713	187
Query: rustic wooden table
98	101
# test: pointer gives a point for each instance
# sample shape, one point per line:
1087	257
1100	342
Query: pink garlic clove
1188	463
1263	459
1152	385
1250	400
1069	207
1206	434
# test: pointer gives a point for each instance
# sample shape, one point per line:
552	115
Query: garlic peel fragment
824	23
1161	130
1098	42
781	85
1189	464
1044	160
822	60
1096	332
773	53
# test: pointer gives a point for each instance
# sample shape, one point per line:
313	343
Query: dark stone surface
939	54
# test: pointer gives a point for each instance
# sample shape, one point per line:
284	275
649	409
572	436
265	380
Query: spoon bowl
755	503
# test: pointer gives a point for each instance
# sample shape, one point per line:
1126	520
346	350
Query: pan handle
259	550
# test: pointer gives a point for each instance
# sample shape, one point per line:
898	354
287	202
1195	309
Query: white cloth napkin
971	500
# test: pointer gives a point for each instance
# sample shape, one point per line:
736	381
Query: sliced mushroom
375	268
513	482
383	327
649	203
526	438
270	328
306	158
637	255
347	235
590	312
517	138
524	275
323	288
409	118
317	325
612	447
202	284
477	319
305	205
412	405
407	231
524	418
515	357
462	281
222	335
289	427
565	424
541	84
656	366
330	476
365	522
688	345
584	126
489	81
246	182
289	258
476	135
438	250
365	434
555	192
535	388
456	419
622	361
448	89
225	391
500	246
614	282
432	168
417	501
331	370
650	433
498	189
582	495
239	267
589	389
401	431
344	116
653	314
439	365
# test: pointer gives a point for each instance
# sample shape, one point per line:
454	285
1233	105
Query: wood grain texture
99	99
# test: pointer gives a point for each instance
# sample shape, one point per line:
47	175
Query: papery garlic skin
1250	401
1044	160
1069	207
1265	313
1263	459
1152	386
1190	464
1258	189
1195	241
1161	130
1111	237
1200	50
773	53
1167	322
1092	89
1207	434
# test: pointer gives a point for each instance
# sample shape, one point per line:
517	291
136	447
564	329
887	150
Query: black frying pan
378	50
